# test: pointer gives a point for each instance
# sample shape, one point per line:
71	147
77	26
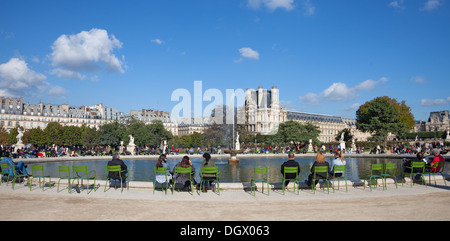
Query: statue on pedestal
131	145
310	146
19	143
238	145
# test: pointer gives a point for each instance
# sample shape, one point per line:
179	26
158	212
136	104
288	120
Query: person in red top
437	158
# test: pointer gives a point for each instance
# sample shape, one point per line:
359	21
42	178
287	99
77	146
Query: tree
111	134
214	135
347	135
12	136
71	135
36	137
3	136
297	133
53	134
379	117
89	136
402	109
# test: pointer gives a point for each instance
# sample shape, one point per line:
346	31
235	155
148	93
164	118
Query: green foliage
347	135
425	135
379	117
108	134
53	134
292	131
12	136
36	137
3	136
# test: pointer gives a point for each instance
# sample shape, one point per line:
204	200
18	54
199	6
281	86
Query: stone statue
238	145
310	146
19	136
448	135
131	140
342	137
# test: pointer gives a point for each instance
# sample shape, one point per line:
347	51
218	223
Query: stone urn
233	154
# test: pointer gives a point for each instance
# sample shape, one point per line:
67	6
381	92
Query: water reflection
142	170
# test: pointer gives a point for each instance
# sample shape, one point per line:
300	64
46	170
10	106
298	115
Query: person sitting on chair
320	161
183	178
338	160
290	163
207	162
19	167
114	176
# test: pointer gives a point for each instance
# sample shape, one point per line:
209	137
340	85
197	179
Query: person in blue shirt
337	161
19	167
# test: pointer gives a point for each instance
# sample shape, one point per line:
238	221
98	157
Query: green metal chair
433	173
181	170
160	170
291	170
385	174
118	169
416	165
37	171
5	172
82	173
209	170
340	169
320	169
258	172
375	174
62	170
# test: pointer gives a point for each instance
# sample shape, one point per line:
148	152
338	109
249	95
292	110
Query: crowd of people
185	179
31	151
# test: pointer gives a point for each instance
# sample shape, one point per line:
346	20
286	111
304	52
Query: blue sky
325	56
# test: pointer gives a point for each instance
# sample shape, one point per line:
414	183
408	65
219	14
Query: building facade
438	121
14	113
263	111
329	126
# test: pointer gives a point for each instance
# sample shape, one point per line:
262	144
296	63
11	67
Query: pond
142	170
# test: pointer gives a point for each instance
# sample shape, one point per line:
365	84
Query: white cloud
157	41
57	91
310	99
370	84
418	79
341	92
67	74
432	102
87	51
338	91
249	53
430	5
354	107
398	4
308	8
16	78
271	4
